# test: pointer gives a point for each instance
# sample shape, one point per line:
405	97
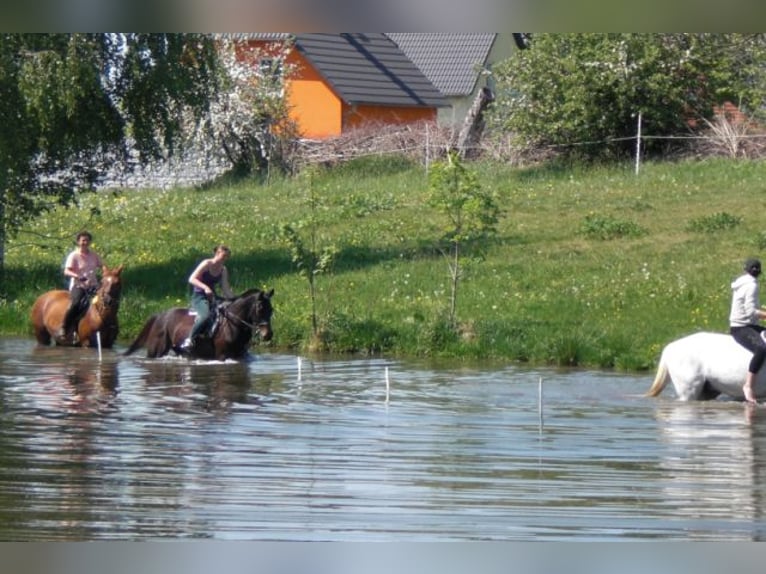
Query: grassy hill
595	267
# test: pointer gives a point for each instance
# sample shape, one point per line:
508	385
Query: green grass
592	266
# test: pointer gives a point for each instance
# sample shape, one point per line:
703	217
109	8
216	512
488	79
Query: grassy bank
593	267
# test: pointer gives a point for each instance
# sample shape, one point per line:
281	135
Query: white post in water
540	402
638	144
299	368
98	342
388	386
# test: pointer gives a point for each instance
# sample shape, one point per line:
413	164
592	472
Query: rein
104	302
235	318
241	321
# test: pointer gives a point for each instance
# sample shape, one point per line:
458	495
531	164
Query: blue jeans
201	305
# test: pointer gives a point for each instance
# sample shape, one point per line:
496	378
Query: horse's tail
142	336
660	380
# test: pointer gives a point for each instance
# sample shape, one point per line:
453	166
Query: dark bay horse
238	320
49	309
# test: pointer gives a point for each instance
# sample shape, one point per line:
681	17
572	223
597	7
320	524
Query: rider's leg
201	305
748	389
70	317
750	337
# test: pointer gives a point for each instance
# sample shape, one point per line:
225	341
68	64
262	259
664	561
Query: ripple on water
289	448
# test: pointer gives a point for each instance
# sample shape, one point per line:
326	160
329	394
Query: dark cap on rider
753	266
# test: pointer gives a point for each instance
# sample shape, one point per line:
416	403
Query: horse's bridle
241	321
105	300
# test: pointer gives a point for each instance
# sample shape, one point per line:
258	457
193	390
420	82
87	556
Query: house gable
459	65
452	62
368	69
343	81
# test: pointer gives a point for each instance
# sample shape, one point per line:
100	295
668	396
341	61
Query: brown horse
101	317
238	320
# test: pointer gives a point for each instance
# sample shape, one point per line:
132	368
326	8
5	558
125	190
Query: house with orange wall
339	82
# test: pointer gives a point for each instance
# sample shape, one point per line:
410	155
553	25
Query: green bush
348	334
720	221
605	227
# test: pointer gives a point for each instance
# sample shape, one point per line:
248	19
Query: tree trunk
455	270
474	121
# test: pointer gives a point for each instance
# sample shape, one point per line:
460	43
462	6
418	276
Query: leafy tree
72	103
250	119
309	253
574	88
471	216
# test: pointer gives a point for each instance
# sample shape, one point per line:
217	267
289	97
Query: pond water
302	449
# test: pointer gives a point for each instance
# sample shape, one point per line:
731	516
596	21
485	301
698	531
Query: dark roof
451	61
368	69
363	68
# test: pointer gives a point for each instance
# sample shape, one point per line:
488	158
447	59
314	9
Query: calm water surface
290	448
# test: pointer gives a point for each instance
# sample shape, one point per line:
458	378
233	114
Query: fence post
638	144
428	149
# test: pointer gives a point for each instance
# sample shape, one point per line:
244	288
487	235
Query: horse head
110	288
253	309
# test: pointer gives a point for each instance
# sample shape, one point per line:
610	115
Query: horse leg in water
709	392
688	381
162	333
47	315
153	336
690	384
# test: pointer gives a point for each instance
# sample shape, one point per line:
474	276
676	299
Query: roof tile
369	68
451	61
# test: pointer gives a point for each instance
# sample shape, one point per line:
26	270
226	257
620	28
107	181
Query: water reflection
713	464
191	386
276	449
60	405
72	384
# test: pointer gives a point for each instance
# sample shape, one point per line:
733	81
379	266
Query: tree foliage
250	118
568	89
471	215
72	103
310	252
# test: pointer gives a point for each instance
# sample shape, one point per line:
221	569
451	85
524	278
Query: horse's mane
243	300
247	293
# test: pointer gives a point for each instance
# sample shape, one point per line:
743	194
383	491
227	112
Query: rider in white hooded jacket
744	320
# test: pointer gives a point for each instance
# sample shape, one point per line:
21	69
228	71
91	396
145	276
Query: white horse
704	365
